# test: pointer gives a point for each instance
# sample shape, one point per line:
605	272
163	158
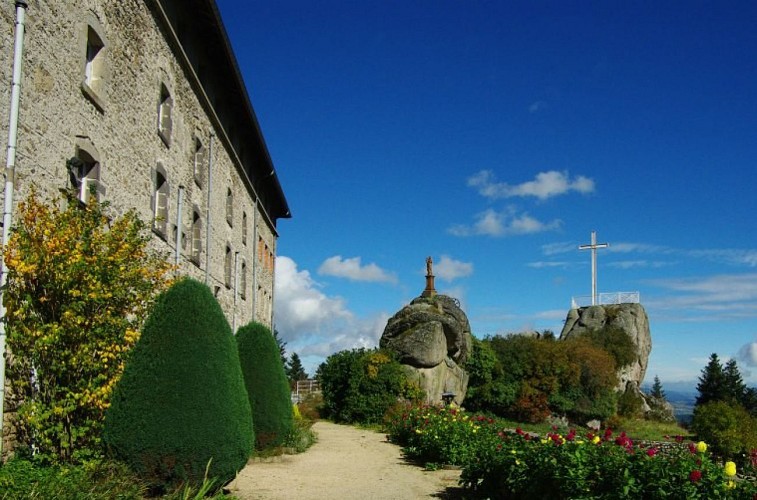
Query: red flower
652	452
695	476
692	448
679	439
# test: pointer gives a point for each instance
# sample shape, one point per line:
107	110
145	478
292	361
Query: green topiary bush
267	385
181	402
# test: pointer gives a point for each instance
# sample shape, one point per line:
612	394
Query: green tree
361	385
711	382
181	405
281	345
80	282
734	387
267	385
657	391
294	369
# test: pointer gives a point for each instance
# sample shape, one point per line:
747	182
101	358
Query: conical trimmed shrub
181	402
267	385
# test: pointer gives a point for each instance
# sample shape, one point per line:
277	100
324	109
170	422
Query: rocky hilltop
631	318
432	338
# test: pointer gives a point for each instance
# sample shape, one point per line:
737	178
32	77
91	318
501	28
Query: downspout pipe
179	228
254	260
236	288
207	211
10	174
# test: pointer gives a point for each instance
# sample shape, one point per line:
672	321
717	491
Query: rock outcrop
631	318
432	338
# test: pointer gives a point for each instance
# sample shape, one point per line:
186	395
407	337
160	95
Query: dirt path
345	464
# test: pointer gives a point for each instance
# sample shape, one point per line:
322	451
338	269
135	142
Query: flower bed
501	463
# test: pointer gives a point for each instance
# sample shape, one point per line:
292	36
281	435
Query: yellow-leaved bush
79	287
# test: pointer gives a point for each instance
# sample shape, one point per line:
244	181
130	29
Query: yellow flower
701	446
730	485
595	440
730	469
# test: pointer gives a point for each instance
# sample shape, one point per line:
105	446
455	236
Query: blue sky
494	137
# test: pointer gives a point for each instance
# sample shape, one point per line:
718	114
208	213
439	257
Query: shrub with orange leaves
79	287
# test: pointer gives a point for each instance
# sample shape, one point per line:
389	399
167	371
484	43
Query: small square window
160	204
93	84
227	265
199	159
196	238
229	207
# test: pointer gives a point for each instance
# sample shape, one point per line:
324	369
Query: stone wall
120	123
116	120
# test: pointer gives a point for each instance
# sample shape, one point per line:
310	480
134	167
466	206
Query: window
200	161
227	265
196	237
93	84
165	110
243	281
244	228
229	207
160	201
84	171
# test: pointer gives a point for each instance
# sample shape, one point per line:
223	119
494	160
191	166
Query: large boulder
631	318
431	337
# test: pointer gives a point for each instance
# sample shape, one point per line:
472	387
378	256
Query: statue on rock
432	339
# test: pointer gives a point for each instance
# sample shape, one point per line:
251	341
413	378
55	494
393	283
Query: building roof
199	30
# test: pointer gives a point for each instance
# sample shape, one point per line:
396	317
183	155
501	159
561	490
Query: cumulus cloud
301	307
545	185
449	269
313	324
506	223
352	269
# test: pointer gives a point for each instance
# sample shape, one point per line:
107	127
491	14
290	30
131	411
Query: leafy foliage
181	402
266	383
727	426
79	287
500	463
361	385
573	377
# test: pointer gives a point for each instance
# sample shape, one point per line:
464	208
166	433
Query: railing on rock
606	299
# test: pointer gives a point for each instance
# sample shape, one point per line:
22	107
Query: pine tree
734	388
657	391
711	382
294	369
282	346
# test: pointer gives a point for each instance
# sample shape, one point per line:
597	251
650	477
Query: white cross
593	247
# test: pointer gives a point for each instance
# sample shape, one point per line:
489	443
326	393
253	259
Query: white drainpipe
10	173
179	229
207	211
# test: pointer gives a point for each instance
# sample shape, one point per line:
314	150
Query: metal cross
593	247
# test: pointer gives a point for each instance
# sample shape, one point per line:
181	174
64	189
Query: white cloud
728	256
550	264
301	308
449	269
352	269
313	324
505	223
545	185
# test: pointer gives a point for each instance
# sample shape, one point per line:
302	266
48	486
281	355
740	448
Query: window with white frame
160	196
93	84
196	237
199	158
84	171
229	207
228	264
165	115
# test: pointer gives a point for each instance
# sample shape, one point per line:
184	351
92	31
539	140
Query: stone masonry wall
120	123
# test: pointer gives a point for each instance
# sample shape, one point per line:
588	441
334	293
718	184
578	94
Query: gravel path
346	463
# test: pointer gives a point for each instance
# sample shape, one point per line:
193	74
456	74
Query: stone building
148	96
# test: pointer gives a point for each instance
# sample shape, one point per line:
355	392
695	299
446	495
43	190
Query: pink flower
695	476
